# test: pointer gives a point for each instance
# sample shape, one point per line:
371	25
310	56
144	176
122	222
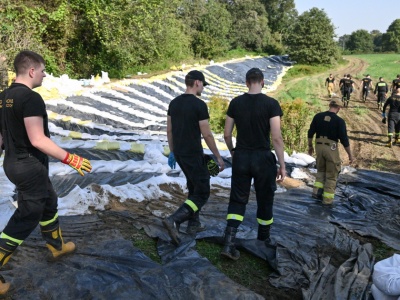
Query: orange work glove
78	163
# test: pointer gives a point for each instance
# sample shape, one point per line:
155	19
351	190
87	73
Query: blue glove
171	161
383	115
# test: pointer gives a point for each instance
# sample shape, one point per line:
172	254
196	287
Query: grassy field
381	65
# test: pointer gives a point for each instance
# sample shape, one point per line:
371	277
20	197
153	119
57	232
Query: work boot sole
172	231
229	255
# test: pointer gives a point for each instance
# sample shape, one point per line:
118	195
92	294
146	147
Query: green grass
381	65
360	110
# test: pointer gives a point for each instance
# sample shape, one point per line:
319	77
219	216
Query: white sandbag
303	156
386	275
299	174
379	295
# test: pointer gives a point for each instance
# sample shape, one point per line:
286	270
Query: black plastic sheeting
311	249
107	266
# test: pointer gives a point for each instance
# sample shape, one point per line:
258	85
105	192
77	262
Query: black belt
328	144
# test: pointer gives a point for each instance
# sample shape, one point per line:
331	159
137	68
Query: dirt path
367	133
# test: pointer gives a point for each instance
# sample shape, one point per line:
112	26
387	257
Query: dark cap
197	75
254	73
367	75
336	102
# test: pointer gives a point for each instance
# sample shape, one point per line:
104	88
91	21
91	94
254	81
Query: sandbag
386	276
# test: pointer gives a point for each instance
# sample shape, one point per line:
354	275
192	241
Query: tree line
84	37
362	41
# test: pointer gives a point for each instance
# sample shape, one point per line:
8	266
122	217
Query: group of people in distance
381	91
347	86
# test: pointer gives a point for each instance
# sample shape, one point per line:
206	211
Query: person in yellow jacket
329	129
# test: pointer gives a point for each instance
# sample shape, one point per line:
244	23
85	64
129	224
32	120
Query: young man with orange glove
25	137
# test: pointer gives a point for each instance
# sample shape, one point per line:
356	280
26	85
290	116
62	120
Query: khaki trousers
328	168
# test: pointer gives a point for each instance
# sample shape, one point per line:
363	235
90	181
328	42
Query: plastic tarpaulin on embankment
310	249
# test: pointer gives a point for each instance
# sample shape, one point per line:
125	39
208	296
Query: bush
296	117
218	106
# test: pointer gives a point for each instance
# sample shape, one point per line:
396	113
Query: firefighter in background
330	84
381	90
393	118
329	129
366	85
395	84
347	84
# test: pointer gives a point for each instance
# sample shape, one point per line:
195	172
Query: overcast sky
350	15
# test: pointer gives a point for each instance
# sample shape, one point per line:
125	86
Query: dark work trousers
394	122
197	178
246	165
365	92
381	97
37	200
346	93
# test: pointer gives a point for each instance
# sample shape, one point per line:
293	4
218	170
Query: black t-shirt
186	111
347	83
381	87
366	82
396	84
394	104
252	113
330	80
19	102
330	125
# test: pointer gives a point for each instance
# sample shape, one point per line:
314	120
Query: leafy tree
281	15
311	40
250	30
377	40
360	41
343	40
391	39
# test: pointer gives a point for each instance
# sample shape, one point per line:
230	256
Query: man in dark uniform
381	90
255	116
187	121
348	86
341	86
394	117
329	128
330	84
26	140
366	85
395	84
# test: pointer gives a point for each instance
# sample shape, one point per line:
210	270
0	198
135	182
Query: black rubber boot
7	248
172	222
317	193
229	249
194	224
264	233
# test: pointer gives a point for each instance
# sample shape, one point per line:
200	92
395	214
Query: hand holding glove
212	166
171	160
78	163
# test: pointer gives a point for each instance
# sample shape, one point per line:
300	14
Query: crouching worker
329	128
255	116
24	135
